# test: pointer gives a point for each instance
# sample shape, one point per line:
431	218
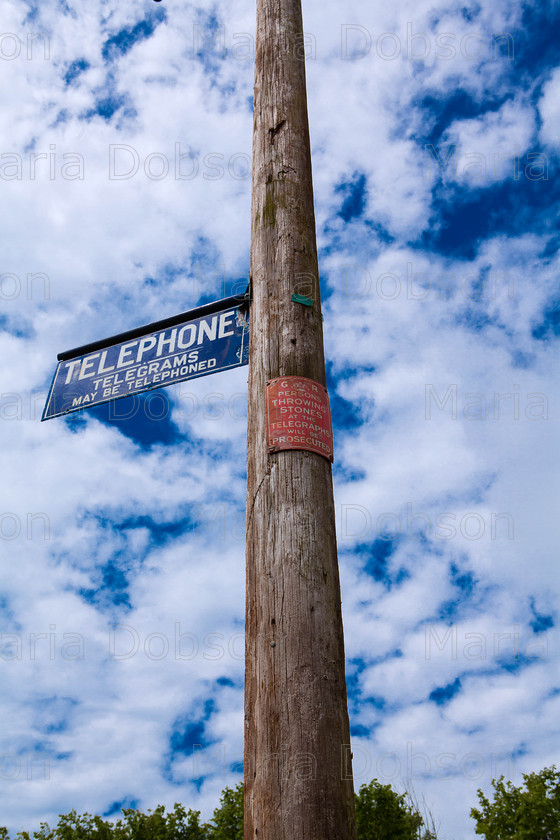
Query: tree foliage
384	814
529	812
227	822
178	824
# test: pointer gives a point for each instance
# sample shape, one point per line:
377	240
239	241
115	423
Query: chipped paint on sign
298	416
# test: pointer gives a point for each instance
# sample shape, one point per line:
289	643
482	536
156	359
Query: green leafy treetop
227	822
516	813
176	825
384	814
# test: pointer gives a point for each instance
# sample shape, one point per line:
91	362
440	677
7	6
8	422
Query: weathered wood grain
298	778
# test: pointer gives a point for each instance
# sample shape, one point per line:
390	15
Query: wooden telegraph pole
298	776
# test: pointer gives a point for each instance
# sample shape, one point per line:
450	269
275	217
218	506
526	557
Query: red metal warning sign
298	416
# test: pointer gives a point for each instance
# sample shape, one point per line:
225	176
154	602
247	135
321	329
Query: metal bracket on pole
306	301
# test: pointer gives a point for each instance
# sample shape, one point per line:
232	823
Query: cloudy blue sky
125	146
